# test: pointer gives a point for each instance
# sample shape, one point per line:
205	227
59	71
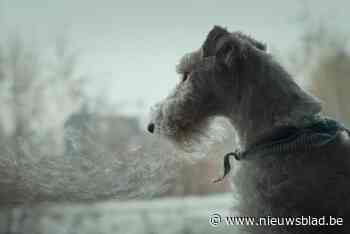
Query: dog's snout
150	127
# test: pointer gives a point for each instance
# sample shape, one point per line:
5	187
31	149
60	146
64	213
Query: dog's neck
271	101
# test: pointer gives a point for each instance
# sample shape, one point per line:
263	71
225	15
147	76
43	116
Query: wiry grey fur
233	76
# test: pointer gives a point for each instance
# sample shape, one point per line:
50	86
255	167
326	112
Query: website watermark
216	219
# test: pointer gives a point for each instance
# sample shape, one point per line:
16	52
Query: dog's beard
192	137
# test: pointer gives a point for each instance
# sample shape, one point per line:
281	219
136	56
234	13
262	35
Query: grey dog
294	162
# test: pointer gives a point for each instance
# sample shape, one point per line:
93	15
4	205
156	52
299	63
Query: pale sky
131	47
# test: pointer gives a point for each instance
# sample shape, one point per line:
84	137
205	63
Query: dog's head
208	86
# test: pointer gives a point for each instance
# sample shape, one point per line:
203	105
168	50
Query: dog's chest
294	184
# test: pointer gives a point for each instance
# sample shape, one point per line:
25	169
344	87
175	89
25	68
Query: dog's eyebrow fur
188	62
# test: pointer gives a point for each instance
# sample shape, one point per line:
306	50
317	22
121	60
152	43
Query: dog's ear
209	47
227	48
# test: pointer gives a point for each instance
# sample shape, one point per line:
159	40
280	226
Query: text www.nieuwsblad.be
216	219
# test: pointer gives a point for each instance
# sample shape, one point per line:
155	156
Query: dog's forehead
254	42
189	61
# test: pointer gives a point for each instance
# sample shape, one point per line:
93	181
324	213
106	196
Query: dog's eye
185	76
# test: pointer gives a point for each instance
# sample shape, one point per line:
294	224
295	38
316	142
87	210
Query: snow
166	216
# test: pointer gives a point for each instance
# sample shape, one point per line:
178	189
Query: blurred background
78	79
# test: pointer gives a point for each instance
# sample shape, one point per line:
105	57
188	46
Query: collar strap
318	132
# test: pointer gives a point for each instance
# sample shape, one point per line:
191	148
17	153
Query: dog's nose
150	127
